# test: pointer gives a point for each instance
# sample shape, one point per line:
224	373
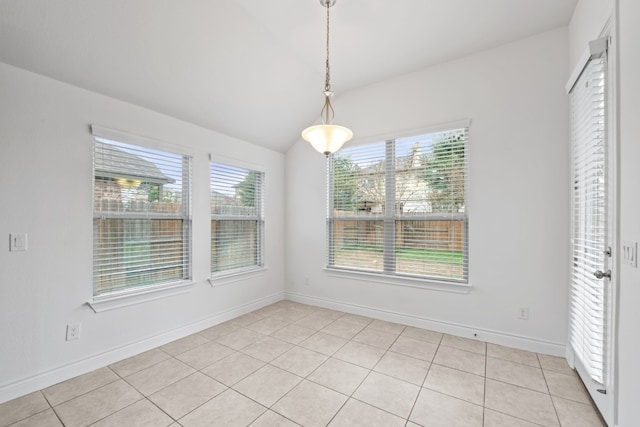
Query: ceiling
253	69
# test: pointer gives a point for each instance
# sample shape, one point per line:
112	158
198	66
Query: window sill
138	296
411	282
222	279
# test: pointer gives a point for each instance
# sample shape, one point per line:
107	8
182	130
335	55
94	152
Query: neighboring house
411	188
124	181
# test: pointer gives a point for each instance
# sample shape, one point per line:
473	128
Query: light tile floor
291	364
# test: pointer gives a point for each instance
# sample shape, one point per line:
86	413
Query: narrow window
589	226
141	217
237	219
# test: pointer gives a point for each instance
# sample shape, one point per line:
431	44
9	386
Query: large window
141	216
397	207
237	220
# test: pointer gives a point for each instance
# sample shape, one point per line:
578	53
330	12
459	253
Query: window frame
143	293
223	277
389	273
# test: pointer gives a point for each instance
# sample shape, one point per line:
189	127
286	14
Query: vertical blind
237	221
588	294
398	207
142	216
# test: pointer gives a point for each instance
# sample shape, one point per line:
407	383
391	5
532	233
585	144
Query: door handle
599	274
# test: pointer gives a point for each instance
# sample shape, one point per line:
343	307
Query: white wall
518	199
629	113
587	22
46	191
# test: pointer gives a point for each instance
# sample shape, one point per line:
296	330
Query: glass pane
431	173
235	191
234	244
129	178
358	244
359	181
431	248
133	253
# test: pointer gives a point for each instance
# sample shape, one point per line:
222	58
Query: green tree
444	171
154	192
345	188
247	189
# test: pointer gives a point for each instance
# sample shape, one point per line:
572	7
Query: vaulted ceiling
252	69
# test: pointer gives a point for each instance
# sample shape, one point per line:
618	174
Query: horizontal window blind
587	298
142	217
398	207
237	222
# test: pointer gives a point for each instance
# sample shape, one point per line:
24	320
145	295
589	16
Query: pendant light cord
327	138
327	112
327	81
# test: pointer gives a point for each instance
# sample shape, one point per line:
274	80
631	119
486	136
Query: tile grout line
424	380
318	367
517	418
196	370
553	404
459	370
50	407
269	363
142	369
119	378
351	396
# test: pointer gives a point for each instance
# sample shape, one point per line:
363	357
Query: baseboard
494	337
62	373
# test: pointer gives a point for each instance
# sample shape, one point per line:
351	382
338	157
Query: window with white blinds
141	216
237	220
398	207
588	293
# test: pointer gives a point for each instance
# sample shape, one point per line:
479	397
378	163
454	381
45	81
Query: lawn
435	255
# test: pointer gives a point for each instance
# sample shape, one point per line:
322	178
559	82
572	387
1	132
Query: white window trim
216	158
440	127
129	138
134	296
237	275
130	297
400	280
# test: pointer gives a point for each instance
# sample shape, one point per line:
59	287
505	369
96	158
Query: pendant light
327	138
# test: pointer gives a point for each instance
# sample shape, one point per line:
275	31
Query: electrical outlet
523	313
630	253
73	331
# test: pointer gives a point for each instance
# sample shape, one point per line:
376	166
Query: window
141	216
237	221
398	207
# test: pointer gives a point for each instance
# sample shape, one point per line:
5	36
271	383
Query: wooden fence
448	235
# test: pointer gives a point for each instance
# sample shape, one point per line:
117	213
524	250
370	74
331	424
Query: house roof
112	162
